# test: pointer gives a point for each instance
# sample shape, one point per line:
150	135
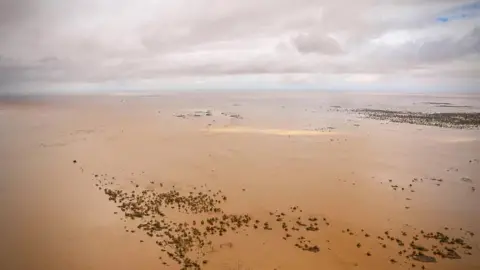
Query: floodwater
266	151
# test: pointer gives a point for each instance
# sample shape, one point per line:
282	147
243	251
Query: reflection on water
280	132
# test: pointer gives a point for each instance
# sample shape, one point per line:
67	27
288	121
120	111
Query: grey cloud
48	60
307	43
16	10
423	52
95	41
450	49
237	19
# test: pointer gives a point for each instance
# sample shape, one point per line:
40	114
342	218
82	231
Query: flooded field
265	180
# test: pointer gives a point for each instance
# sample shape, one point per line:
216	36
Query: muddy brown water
287	149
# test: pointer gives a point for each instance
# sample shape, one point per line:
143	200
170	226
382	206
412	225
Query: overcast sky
114	45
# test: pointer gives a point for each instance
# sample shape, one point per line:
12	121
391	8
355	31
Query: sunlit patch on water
280	132
457	139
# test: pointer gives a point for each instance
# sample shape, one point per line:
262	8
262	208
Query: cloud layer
50	43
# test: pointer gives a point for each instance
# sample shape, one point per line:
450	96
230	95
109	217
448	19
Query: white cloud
105	41
363	78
